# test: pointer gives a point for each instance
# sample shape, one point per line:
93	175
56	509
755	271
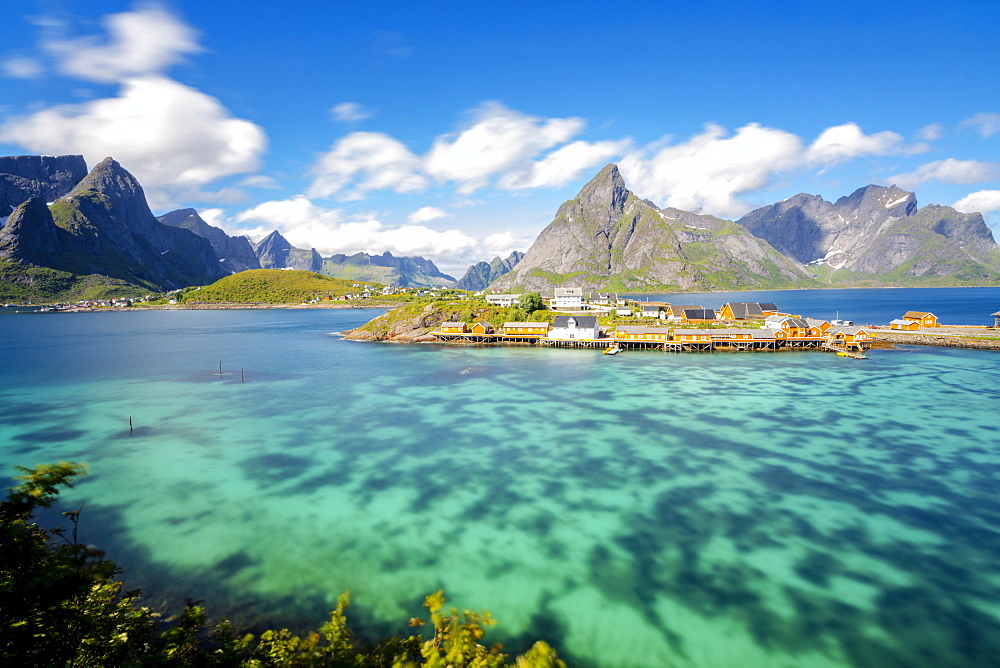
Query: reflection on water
796	509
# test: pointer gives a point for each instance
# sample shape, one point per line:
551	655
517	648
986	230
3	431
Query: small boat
612	350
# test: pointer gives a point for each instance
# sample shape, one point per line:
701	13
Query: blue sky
454	130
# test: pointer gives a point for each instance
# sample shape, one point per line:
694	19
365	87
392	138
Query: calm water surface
782	509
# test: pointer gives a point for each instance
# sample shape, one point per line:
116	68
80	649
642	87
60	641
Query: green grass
273	286
41	285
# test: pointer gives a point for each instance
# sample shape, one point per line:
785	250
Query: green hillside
41	285
274	286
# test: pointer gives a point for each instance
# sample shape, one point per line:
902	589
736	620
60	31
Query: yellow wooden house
482	327
852	336
923	317
454	328
640	333
525	328
692	335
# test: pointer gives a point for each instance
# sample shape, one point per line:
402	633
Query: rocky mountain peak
46	176
118	192
605	194
876	203
29	233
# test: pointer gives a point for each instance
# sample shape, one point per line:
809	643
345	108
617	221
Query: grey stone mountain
104	227
481	274
235	253
43	176
401	271
879	231
608	238
276	252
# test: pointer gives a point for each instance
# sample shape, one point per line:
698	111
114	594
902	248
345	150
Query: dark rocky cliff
42	176
235	253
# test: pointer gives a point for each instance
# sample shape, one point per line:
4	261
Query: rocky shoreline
947	340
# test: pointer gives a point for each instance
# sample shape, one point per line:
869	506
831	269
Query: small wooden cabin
923	317
482	327
697	315
746	311
906	325
454	328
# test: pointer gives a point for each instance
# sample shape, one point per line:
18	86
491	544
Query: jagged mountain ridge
878	231
235	253
481	274
276	252
608	238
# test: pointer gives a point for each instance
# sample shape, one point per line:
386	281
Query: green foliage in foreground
60	605
275	286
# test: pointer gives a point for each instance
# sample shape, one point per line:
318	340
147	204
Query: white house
578	327
502	299
570	298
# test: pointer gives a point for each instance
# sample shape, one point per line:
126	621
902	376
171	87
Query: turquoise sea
648	509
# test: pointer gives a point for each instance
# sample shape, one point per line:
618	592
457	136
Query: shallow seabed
648	509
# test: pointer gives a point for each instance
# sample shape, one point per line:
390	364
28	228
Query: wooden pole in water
220	367
130	423
241	374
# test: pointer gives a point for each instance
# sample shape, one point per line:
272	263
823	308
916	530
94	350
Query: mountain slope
878	235
481	274
276	252
235	253
607	238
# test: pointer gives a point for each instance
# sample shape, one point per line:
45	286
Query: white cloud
22	68
986	123
847	141
982	201
260	181
930	132
709	171
426	214
214	217
143	41
349	111
948	171
364	161
307	225
564	165
498	140
171	136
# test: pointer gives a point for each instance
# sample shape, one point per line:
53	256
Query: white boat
612	350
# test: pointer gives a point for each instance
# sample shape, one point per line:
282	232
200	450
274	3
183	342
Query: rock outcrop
235	253
608	238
